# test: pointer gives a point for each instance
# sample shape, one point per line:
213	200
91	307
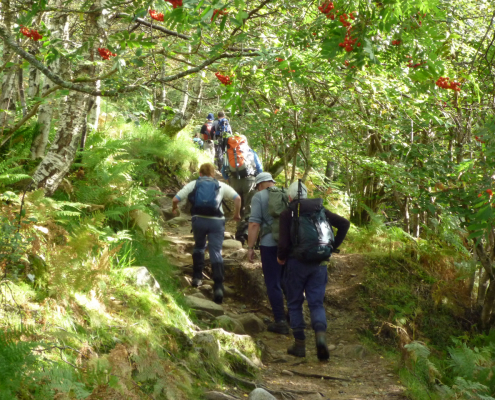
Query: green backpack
278	201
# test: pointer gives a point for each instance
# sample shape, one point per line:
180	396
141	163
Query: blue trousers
309	278
213	229
273	273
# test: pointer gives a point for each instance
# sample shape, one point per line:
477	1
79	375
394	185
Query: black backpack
205	198
311	234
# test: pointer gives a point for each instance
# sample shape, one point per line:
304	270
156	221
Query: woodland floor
353	372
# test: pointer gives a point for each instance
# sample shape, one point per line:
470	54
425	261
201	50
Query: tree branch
157	27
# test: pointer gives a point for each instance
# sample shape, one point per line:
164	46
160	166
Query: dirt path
353	372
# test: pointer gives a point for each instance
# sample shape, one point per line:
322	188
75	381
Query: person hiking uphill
206	195
240	168
306	241
266	206
207	132
222	129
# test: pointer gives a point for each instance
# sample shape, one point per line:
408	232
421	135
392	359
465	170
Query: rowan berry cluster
326	7
175	3
156	16
344	19
348	42
279	59
219	12
105	53
223	78
396	42
446	83
478	139
31	33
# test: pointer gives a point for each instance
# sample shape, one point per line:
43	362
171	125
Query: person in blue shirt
244	183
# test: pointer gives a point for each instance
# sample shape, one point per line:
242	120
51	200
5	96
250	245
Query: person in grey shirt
260	219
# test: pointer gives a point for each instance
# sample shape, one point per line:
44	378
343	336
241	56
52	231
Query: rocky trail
353	372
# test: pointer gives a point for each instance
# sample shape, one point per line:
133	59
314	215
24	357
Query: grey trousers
213	229
210	150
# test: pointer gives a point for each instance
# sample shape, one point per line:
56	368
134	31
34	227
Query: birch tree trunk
7	97
160	97
52	170
34	76
60	30
187	108
94	113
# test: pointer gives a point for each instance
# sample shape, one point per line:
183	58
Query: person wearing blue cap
206	133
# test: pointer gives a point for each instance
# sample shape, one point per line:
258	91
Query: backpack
240	159
205	198
311	235
222	127
207	136
278	201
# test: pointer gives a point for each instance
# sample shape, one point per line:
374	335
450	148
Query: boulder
231	244
228	235
207	344
251	323
240	254
167	213
260	394
204	305
141	277
199	295
230	324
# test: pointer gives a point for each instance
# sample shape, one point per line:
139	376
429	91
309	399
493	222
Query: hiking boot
218	295
321	346
196	282
278	327
198	265
298	349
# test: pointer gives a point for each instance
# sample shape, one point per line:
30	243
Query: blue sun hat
210	117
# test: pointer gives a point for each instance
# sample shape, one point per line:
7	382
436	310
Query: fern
11	172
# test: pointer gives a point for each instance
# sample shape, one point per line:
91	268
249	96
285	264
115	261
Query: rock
208	344
260	394
179	245
207	290
218	396
180	221
231	244
331	347
167	213
204	315
288	373
228	235
181	338
351	351
249	282
239	363
240	254
313	396
251	323
204	305
230	324
199	295
184	282
141	277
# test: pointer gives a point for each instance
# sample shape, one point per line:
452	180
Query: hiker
306	241
266	206
197	141
206	195
206	133
222	130
240	168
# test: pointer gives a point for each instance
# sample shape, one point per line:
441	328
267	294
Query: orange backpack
206	136
240	158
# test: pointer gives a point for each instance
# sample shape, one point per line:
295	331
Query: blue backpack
205	198
223	127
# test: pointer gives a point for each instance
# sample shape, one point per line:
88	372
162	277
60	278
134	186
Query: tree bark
94	112
22	96
34	77
7	101
160	97
60	30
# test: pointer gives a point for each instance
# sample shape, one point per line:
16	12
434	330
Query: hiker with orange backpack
240	168
207	132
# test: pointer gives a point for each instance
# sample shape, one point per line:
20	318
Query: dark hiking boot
198	265
298	349
278	327
217	275
321	346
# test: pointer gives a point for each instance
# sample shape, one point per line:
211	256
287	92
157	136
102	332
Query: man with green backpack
266	206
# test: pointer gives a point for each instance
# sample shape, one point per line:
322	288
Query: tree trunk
60	30
487	312
58	161
22	97
160	97
94	112
52	170
188	107
330	170
34	77
7	102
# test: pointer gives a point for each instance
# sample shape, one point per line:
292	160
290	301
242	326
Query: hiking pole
299	194
226	206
